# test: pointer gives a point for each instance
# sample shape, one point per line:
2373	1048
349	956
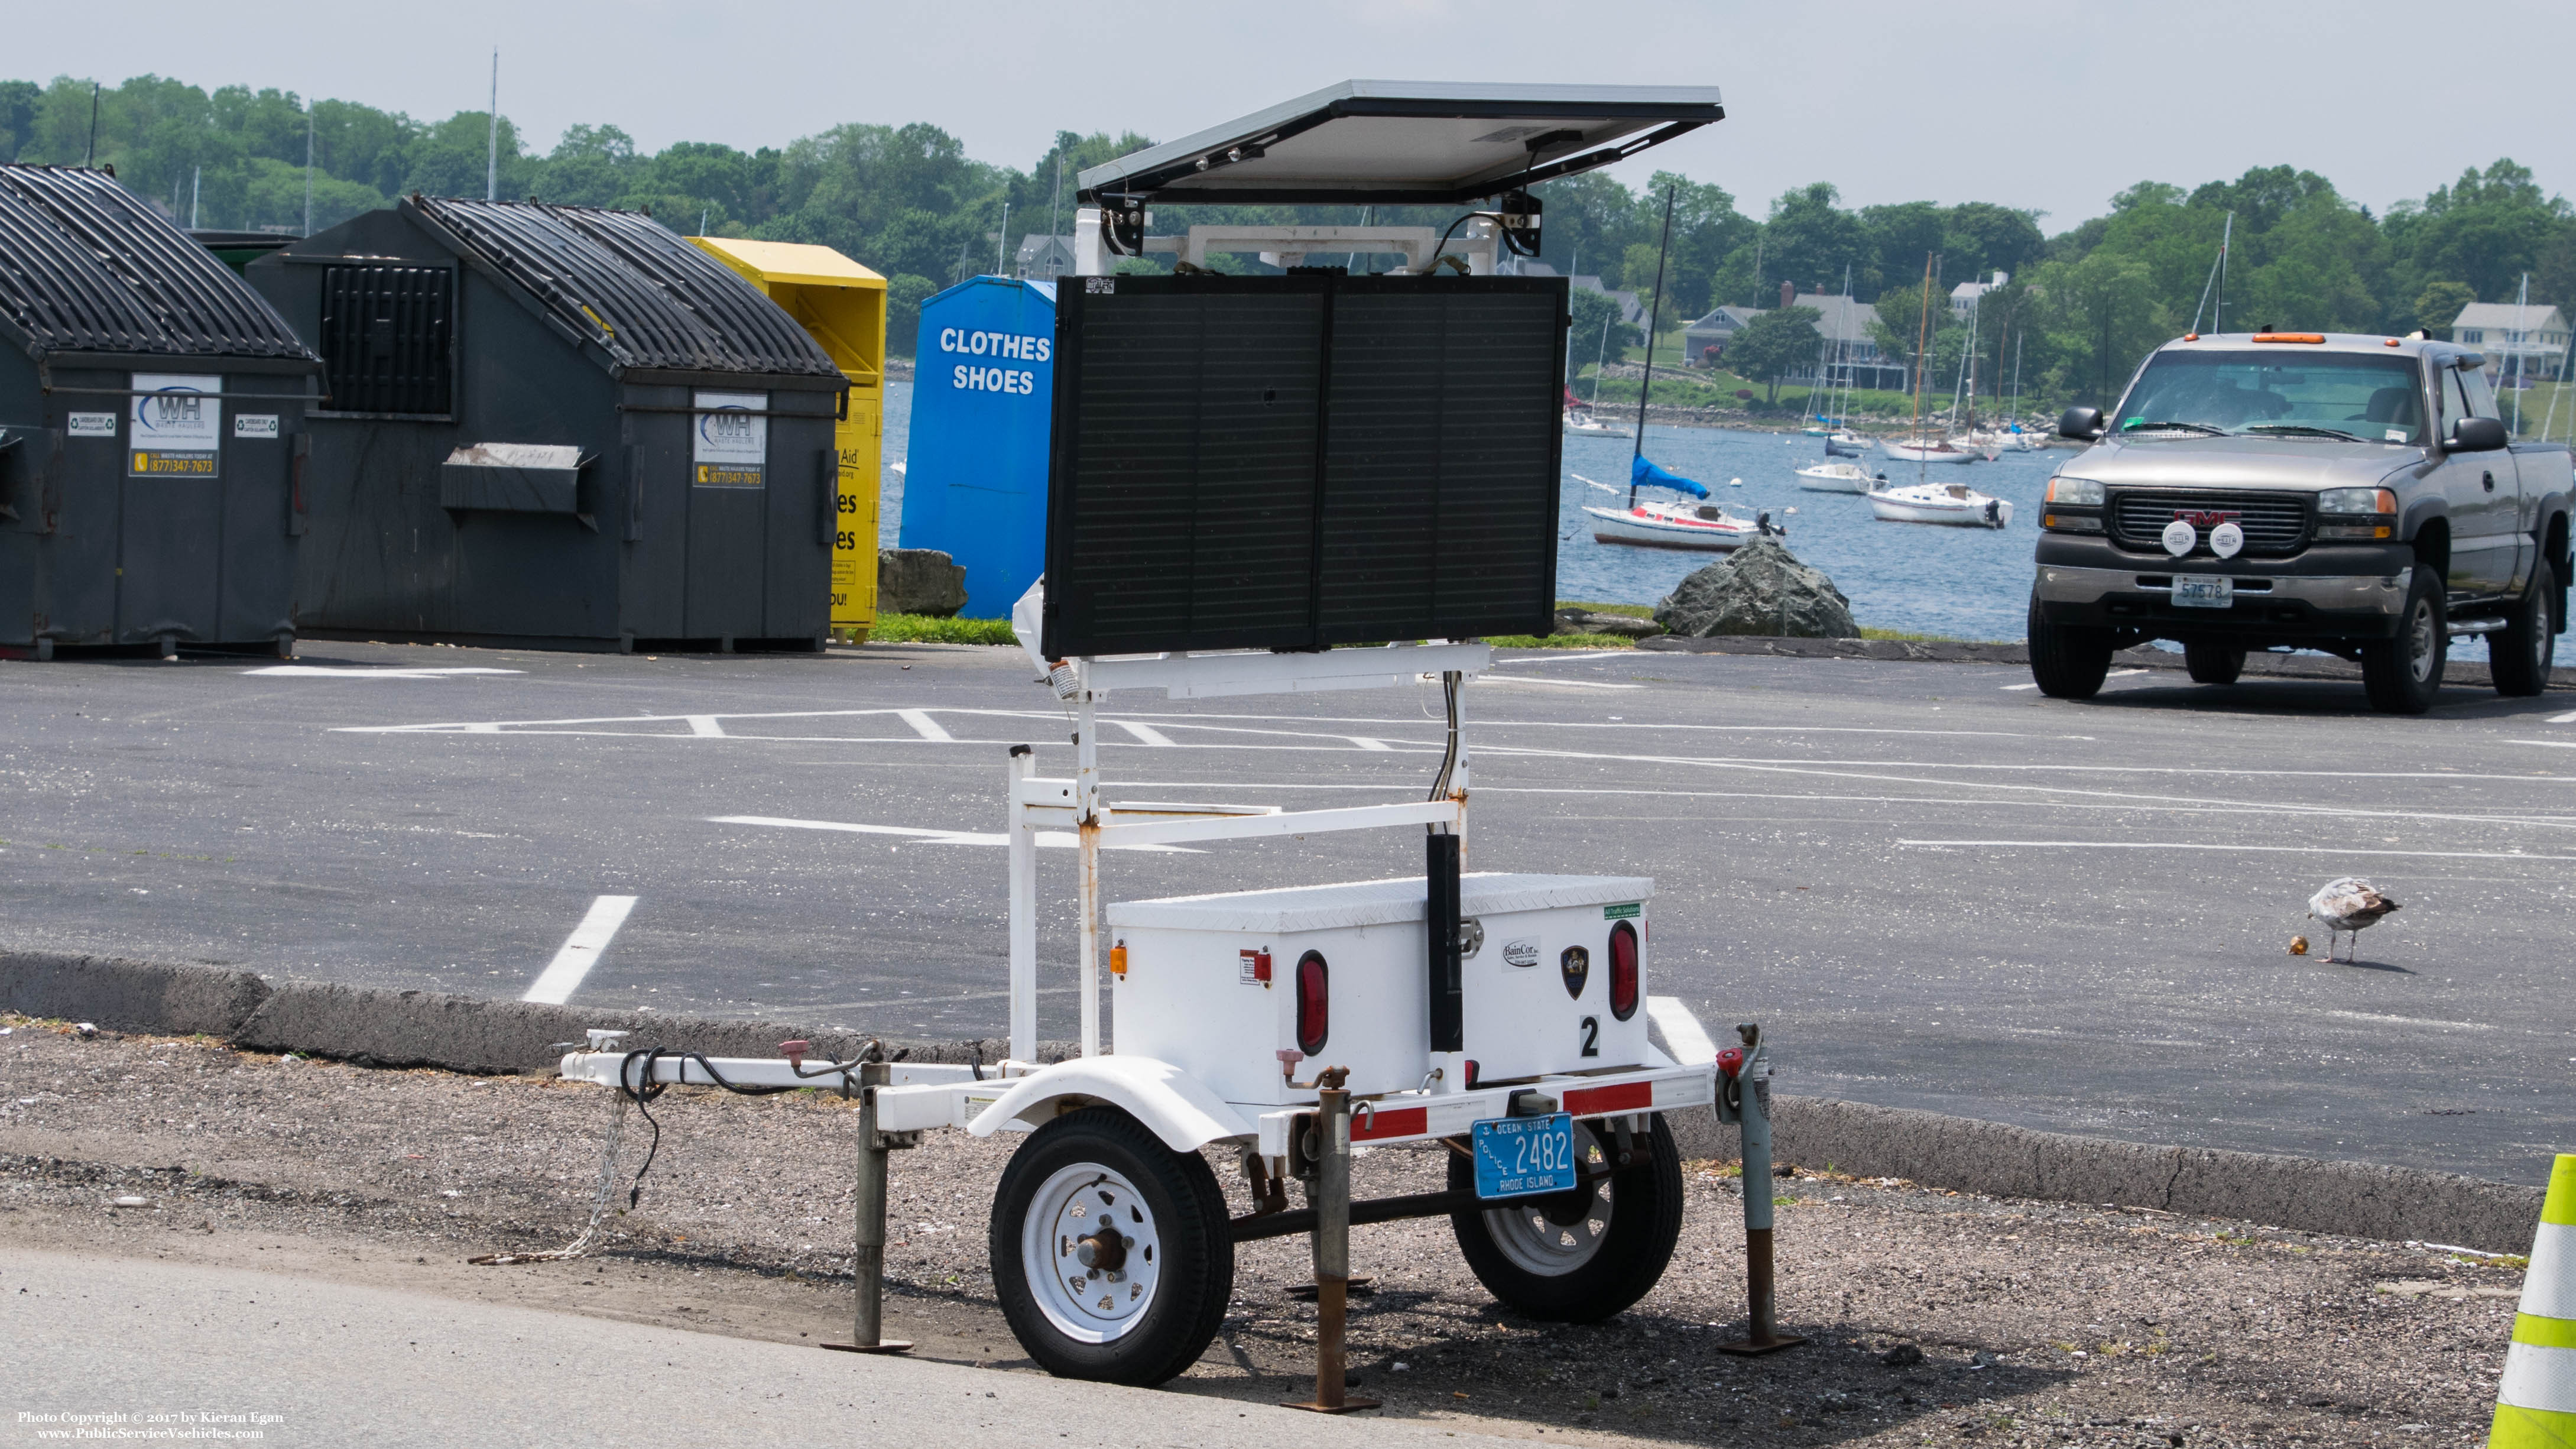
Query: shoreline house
1043	258
1705	341
1847	353
2522	342
1965	297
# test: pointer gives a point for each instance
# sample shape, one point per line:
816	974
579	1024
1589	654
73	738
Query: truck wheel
2068	660
1581	1256
2212	663
2520	651
1111	1253
2402	675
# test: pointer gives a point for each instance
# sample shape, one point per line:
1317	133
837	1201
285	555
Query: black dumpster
557	426
151	409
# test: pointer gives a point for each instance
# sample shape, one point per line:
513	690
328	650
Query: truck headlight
2357	500
2075	492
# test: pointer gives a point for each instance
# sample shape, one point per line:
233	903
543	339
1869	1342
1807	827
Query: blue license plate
1524	1156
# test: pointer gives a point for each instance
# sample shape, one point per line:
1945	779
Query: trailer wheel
1578	1257
1112	1254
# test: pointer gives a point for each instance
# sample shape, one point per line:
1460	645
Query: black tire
2402	675
2068	660
1188	1243
2211	662
2519	653
1642	1206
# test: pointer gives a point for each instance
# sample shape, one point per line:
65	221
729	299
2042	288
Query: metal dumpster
843	306
975	485
558	427
151	417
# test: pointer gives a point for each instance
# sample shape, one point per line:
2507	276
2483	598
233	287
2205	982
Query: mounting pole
1024	910
1087	823
1332	1243
867	1324
1751	1089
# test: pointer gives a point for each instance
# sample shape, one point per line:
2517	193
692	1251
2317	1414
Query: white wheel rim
1090	1305
1538	1244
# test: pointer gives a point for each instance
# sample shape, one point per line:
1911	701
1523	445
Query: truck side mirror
2082	424
2477	435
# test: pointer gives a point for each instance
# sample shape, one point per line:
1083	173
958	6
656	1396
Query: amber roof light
2289	337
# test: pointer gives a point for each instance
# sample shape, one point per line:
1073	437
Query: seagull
2348	903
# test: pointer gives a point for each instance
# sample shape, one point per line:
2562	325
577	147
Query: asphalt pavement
117	1348
1935	888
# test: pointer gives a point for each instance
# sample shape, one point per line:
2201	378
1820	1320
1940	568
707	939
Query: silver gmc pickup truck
2354	495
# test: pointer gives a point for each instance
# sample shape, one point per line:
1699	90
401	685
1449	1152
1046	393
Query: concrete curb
2467	674
376	1027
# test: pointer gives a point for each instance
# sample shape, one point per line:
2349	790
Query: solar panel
1302	461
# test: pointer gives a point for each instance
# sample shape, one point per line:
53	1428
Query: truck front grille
2275	524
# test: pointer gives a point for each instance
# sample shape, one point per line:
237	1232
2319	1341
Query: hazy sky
2031	104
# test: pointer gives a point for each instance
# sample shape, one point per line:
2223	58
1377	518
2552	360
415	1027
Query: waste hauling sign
176	426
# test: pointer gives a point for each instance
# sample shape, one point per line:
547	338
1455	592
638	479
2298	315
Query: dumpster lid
1426	143
1374	902
85	266
630	285
796	263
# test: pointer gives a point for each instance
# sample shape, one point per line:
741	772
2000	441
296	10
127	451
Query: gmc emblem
2207	518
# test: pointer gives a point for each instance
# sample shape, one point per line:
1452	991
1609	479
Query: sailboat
1579	421
1922	501
1655	523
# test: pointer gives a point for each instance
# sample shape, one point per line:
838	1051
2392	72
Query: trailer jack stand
1332	1245
868	1325
1750	1094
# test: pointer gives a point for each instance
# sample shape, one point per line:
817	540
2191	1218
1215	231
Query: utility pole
1055	200
308	170
196	192
1002	242
492	147
92	158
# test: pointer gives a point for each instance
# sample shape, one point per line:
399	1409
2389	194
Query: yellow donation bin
843	305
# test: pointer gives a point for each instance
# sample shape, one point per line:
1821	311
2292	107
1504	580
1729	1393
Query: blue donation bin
975	485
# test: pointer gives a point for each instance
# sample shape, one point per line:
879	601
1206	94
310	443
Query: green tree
2439	304
1775	344
1597	334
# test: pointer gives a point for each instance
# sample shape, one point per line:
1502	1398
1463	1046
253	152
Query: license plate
2203	591
1524	1156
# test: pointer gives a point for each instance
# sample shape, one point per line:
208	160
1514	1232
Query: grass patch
1902	637
923	629
1560	641
1633	611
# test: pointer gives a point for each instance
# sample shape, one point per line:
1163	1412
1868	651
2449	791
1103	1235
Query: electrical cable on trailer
628	1091
1501	225
1449	683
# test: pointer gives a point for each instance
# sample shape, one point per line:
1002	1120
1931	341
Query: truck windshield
2259	393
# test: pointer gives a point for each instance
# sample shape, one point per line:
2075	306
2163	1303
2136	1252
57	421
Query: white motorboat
1955	504
1838	478
1940	450
1652	523
1580	423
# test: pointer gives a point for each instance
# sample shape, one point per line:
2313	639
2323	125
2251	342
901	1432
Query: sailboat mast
1654	319
1922	330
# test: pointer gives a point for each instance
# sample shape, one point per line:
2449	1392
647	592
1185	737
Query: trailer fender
1174	1106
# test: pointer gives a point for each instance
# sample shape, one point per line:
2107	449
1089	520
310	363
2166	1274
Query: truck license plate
2203	591
1524	1156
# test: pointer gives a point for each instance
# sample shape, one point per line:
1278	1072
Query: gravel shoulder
2036	1323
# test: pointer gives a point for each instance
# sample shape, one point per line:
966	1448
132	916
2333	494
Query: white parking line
1566	658
2209	845
1373	746
1144	734
706	726
2553	744
2567	718
1051	839
332	671
1682	1031
924	726
1491	678
581	950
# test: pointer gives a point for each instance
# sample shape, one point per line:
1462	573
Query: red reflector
1623	971
1599	1101
1402	1122
1314	1003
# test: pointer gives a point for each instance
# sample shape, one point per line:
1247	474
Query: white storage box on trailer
1216	985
